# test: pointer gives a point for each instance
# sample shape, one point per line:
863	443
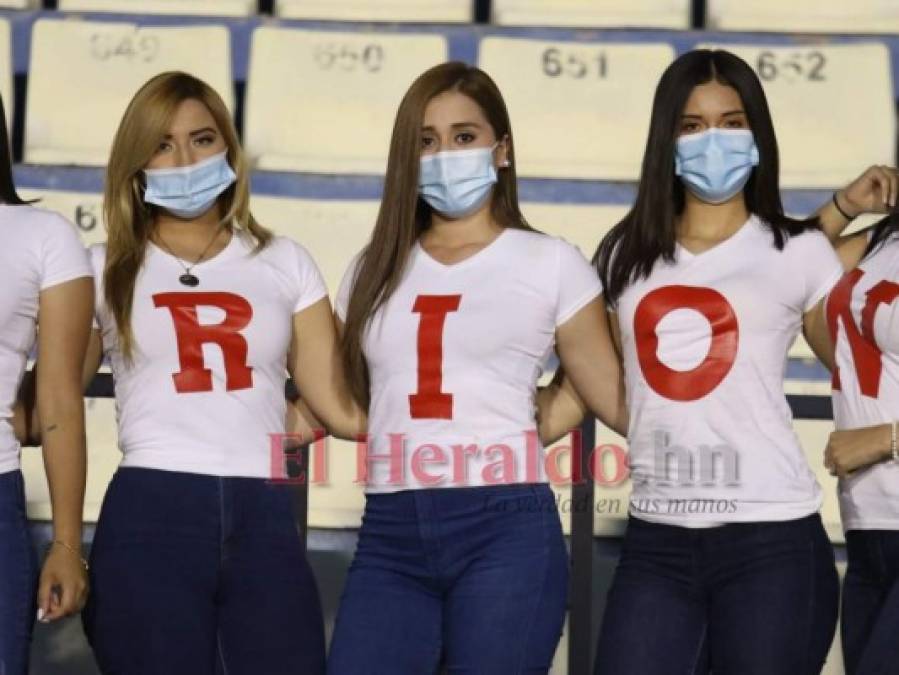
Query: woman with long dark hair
725	565
864	326
447	316
46	280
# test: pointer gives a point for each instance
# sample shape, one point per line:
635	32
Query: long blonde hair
129	220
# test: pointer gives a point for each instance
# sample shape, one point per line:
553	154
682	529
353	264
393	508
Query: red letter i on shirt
429	402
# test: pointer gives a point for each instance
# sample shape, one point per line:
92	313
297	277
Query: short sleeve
342	301
578	281
310	284
821	268
63	255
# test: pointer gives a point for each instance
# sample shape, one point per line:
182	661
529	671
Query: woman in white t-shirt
725	566
196	565
45	279
448	315
864	326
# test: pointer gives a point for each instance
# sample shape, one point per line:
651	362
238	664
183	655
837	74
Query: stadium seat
182	7
832	106
813	16
594	13
333	230
95	68
84	209
578	109
421	11
325	101
583	225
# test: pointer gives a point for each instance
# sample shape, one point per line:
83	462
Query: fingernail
40	614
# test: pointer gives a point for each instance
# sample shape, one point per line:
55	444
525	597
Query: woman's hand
875	191
63	585
853	449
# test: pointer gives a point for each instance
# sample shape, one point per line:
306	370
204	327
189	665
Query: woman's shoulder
280	247
32	220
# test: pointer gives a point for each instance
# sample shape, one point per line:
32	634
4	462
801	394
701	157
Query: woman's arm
559	408
26	418
875	191
817	334
315	365
593	378
852	449
64	319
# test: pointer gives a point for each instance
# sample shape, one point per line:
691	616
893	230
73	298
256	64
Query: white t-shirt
705	342
454	356
40	249
863	317
206	386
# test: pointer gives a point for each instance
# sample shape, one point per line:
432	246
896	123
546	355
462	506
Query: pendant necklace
189	278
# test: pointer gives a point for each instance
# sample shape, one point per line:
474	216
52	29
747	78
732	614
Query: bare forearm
346	420
65	462
559	410
610	408
880	438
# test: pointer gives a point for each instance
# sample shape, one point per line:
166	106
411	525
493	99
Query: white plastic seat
832	107
333	230
419	11
578	109
19	4
83	74
181	7
583	225
83	209
324	101
597	13
813	16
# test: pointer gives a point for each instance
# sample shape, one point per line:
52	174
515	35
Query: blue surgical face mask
715	164
456	183
189	191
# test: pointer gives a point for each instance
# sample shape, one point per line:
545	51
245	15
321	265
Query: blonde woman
197	566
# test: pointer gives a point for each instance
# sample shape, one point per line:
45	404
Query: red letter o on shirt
686	385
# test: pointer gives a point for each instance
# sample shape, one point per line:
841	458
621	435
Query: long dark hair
648	231
403	215
8	194
881	232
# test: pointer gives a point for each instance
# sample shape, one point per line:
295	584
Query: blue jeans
18	577
741	599
195	575
870	622
474	576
